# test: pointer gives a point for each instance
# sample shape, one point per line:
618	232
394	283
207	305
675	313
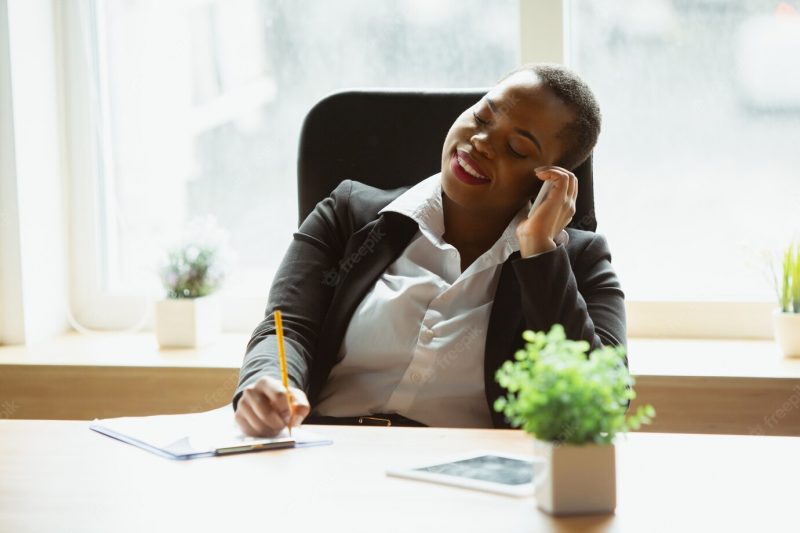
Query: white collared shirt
415	344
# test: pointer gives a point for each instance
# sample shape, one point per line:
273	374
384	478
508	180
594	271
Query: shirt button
427	335
415	378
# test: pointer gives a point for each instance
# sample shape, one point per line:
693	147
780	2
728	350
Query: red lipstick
462	174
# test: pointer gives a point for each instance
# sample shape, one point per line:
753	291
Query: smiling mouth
468	167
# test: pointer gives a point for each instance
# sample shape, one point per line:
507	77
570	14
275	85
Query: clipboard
195	435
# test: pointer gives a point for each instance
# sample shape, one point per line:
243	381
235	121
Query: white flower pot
787	332
576	479
187	322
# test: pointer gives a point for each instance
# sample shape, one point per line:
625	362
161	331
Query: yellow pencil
284	374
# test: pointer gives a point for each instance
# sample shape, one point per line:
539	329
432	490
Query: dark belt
366	420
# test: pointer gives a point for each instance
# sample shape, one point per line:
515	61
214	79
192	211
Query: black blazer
344	246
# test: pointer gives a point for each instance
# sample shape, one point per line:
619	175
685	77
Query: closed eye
482	122
479	120
515	153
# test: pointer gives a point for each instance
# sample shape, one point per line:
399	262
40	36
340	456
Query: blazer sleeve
586	298
302	289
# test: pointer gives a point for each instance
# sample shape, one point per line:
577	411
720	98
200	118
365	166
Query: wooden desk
60	476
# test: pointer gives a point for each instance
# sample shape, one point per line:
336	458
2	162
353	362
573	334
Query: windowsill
126	350
710	358
648	357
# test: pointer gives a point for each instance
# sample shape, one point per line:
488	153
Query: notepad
194	435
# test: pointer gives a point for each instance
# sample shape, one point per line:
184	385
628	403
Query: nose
481	143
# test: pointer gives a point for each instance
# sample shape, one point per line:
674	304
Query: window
203	102
195	106
698	158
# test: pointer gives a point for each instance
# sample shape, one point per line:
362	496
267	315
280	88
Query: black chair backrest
391	138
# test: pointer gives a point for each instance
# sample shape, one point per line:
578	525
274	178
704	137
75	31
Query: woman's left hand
538	233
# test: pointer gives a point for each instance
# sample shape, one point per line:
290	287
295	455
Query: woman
399	306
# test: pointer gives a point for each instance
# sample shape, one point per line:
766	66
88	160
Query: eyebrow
522	132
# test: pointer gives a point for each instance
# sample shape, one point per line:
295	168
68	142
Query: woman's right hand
263	409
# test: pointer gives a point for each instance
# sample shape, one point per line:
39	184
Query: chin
464	195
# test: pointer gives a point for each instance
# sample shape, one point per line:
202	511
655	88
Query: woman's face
502	139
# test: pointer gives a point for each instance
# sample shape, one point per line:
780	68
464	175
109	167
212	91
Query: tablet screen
492	468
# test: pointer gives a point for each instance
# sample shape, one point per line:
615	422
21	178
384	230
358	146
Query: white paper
193	434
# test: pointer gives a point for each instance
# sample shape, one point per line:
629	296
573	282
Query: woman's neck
470	232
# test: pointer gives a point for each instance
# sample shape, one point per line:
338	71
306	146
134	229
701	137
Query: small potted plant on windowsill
574	406
189	316
786	318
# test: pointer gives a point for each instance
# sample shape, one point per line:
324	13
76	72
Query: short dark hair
573	91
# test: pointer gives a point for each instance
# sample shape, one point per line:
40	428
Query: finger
300	413
549	173
258	403
561	185
283	405
258	426
572	184
298	418
244	424
268	414
301	404
275	421
569	206
549	168
274	391
300	399
272	388
575	191
252	419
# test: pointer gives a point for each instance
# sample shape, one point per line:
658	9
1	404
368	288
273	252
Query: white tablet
488	471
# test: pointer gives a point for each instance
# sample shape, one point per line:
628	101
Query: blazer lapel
369	253
503	337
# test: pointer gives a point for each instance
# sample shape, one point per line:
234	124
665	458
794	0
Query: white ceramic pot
787	332
187	322
576	479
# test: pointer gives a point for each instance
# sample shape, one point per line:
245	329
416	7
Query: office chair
391	138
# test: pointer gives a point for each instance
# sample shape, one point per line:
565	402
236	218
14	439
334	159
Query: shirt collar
423	204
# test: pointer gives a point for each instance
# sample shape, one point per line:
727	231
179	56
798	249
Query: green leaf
559	394
500	404
787	280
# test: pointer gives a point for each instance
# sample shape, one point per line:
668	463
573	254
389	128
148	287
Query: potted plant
574	406
189	316
786	318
